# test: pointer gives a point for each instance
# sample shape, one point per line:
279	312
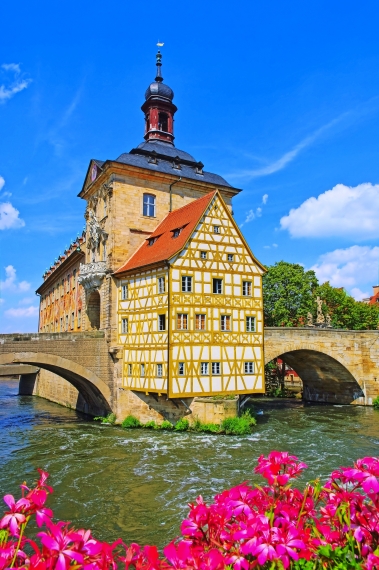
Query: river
135	484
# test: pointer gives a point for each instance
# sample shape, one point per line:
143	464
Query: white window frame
224	320
187	284
247	288
180	320
249	367
216	368
159	370
230	257
142	370
161	285
220	282
124	325
130	369
216	229
161	319
250	324
203	255
201	320
181	368
204	368
124	292
149	205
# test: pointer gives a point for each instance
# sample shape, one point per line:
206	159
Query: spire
159	77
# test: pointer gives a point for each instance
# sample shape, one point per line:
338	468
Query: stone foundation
50	386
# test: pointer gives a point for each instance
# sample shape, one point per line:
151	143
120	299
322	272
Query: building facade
181	307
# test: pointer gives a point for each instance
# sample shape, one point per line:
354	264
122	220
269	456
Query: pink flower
15	517
57	541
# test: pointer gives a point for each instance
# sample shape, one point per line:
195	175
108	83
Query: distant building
163	269
374	298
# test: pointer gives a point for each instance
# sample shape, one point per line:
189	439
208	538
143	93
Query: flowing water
135	484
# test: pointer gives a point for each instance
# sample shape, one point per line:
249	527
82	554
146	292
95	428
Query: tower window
149	205
163	122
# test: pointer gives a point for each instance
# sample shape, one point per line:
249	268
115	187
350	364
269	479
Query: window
68	283
142	369
216	229
124	325
149	205
161	285
186	284
216	368
151	241
163	122
74	279
226	323
217	286
72	320
177	232
181	369
66	323
160	370
250	324
230	257
200	322
130	369
182	321
62	288
203	255
204	368
249	367
79	318
246	288
124	292
61	325
161	322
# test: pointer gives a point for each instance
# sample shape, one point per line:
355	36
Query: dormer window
177	232
149	205
199	168
176	163
152	241
153	158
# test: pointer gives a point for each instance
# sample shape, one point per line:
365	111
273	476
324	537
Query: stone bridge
336	366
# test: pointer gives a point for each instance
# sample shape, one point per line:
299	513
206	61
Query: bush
166	425
131	422
376	403
150	425
109	419
238	426
182	425
205	428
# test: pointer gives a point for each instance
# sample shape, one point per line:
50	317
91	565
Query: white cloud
11	282
351	268
9	217
27	301
2	182
270	246
22	312
14	86
264	198
343	211
289	156
251	214
15	67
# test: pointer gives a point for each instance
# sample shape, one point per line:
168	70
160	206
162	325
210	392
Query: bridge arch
94	391
325	378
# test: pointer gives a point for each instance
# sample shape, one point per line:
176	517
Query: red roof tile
186	219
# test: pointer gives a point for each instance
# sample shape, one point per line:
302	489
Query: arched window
163	122
149	205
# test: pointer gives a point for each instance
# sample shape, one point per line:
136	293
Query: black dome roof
159	89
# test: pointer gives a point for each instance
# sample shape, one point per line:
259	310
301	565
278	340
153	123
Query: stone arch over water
325	379
95	393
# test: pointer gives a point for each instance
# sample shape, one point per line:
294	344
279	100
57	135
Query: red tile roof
165	246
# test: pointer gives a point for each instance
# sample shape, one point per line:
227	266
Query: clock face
93	172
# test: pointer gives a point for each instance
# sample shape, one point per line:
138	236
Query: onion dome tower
159	109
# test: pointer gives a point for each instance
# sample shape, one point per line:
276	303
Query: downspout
171	185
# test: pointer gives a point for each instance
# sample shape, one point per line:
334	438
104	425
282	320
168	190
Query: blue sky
281	98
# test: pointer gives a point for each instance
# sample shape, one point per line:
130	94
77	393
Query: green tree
288	294
346	312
